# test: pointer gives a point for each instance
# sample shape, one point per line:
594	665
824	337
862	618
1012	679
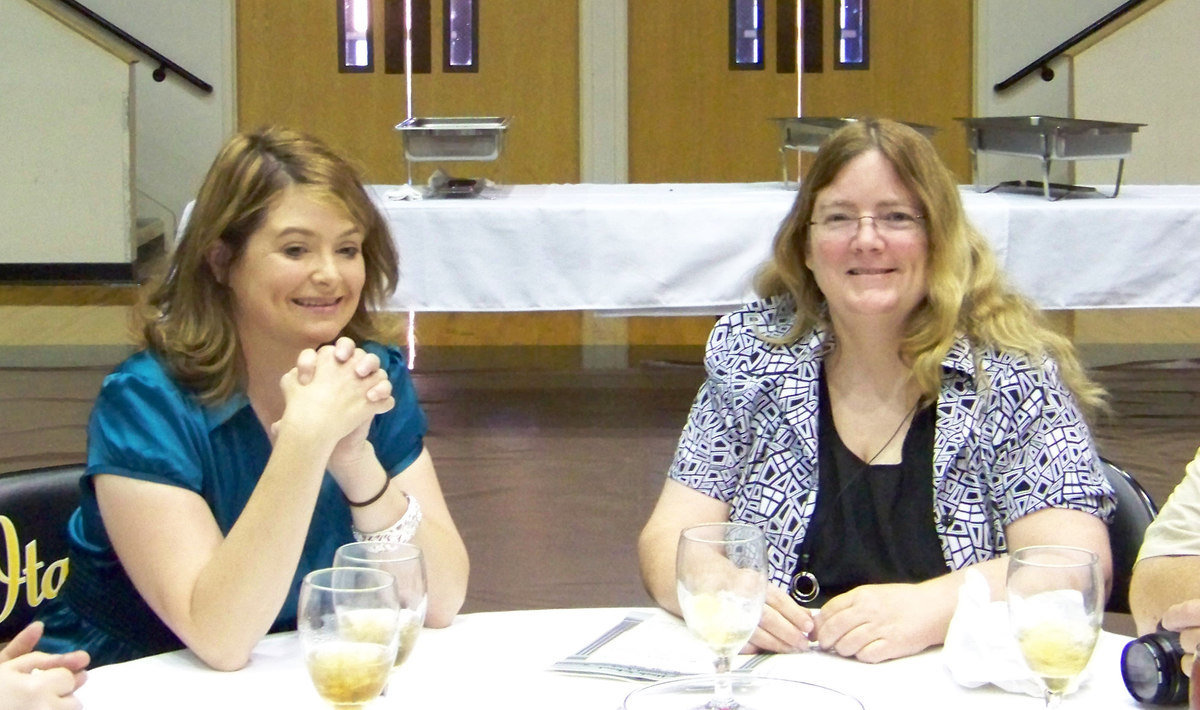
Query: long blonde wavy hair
186	316
967	293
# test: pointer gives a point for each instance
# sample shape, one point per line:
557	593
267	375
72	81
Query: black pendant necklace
805	586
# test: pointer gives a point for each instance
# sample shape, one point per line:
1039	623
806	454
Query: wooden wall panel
920	71
529	68
691	118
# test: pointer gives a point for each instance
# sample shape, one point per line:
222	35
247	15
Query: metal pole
408	58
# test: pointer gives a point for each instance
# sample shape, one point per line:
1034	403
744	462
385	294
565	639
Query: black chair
34	508
1135	510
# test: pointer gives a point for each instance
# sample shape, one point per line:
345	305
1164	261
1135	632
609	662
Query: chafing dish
452	139
805	134
1050	138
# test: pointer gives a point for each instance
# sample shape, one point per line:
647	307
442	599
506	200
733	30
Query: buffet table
502	660
693	248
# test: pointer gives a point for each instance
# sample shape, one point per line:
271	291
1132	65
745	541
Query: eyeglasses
842	224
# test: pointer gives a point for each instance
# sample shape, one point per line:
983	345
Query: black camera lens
1152	671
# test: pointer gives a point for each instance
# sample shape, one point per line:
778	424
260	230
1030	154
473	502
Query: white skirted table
693	248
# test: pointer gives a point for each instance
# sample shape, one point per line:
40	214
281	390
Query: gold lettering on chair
52	580
10	571
38	588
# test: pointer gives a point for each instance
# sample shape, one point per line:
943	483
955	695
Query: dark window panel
393	37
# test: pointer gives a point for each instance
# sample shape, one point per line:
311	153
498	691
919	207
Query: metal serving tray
806	134
453	139
1051	138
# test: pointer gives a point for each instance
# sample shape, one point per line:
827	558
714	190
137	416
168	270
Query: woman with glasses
890	413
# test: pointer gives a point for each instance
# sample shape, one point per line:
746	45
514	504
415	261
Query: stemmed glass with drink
406	564
349	624
1055	604
721	580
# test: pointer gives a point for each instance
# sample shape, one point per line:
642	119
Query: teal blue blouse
147	426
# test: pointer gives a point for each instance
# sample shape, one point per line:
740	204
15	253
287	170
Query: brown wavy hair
186	316
967	293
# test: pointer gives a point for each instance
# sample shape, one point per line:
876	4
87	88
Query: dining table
506	659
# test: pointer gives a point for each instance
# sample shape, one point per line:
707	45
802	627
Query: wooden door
691	117
920	70
287	70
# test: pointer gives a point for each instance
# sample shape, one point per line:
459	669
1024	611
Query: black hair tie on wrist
386	482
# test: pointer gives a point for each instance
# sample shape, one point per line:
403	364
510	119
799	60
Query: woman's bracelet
387	481
402	531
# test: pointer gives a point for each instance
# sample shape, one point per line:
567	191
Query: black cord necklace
805	586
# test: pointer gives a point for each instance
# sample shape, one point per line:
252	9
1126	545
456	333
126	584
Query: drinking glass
349	623
1055	603
721	580
406	564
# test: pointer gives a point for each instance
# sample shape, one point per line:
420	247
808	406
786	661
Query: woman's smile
299	279
867	267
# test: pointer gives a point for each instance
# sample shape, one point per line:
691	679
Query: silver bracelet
402	531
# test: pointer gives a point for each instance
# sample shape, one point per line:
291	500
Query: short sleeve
1045	456
711	451
1176	529
704	459
143	426
398	435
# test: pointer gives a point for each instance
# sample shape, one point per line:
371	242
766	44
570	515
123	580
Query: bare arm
220	594
1159	583
441	545
358	471
1168	572
678	507
785	624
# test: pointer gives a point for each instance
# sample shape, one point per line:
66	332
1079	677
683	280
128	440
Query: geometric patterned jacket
1008	441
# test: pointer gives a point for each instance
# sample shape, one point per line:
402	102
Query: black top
873	524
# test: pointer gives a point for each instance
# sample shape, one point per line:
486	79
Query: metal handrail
1042	62
164	64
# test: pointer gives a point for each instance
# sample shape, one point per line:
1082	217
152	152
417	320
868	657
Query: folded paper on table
658	646
980	647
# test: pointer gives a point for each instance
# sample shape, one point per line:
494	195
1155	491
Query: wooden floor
550	475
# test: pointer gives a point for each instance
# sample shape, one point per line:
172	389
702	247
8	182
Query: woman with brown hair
262	426
890	413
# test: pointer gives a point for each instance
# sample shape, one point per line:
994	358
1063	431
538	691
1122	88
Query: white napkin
403	193
980	647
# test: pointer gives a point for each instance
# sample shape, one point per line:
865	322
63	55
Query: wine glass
721	580
349	623
406	564
1055	603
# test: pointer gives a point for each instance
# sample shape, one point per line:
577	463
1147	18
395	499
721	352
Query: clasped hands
31	680
335	391
873	623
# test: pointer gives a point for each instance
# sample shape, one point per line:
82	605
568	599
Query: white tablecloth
680	248
501	660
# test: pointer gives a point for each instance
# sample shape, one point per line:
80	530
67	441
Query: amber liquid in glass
349	672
